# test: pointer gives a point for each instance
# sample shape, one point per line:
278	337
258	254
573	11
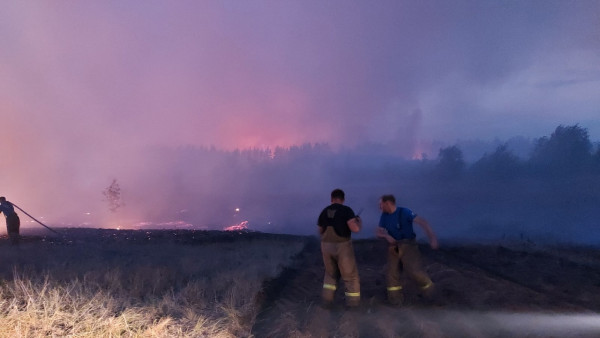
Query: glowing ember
164	225
419	155
240	226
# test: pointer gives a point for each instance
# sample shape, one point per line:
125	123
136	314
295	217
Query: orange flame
237	227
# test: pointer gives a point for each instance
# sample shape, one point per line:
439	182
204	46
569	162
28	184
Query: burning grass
94	283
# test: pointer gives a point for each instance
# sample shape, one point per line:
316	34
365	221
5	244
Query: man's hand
382	233
355	224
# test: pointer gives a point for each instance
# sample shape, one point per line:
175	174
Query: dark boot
327	297
395	297
14	238
352	300
428	291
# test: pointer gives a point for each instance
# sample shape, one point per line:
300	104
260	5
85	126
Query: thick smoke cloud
548	196
91	92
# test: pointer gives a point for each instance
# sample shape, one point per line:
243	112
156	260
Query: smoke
92	92
547	196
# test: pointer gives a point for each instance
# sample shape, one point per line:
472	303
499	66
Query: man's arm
430	234
321	229
355	224
382	233
320	224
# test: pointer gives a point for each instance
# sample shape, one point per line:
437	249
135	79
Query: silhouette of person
13	223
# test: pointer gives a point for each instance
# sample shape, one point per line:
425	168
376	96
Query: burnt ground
492	290
482	291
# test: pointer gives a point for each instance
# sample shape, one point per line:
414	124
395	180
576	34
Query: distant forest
552	195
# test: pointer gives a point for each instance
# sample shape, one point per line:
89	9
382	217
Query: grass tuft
158	290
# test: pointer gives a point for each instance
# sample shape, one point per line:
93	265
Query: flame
419	155
237	227
421	150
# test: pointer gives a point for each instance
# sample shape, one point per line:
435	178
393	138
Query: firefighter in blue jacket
396	226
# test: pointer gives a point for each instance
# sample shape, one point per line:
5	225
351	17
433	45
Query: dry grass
162	289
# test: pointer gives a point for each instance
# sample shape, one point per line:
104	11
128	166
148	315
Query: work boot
428	291
352	301
327	297
327	305
395	297
14	238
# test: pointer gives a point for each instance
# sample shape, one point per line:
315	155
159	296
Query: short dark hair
2	199
389	197
338	193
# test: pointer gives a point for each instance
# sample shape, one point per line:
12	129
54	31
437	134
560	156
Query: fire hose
33	218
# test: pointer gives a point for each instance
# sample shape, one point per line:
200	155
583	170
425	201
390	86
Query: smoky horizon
548	196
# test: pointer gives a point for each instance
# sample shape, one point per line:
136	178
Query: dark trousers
407	252
13	224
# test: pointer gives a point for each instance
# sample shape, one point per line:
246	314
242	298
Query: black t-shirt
337	216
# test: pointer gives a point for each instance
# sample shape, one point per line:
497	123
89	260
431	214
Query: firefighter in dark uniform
13	223
336	224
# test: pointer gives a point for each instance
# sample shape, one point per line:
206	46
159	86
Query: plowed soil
481	291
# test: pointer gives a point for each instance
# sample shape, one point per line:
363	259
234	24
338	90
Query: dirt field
492	290
482	291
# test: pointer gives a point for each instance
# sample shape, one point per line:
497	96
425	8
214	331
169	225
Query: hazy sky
80	81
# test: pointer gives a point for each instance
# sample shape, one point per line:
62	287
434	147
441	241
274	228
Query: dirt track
482	291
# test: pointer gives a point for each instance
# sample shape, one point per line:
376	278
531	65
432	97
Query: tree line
498	193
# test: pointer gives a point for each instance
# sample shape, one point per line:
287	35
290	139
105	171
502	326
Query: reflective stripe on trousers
329	287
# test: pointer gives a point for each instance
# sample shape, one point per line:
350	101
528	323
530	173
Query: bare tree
112	195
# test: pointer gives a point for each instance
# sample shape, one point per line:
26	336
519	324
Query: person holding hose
13	223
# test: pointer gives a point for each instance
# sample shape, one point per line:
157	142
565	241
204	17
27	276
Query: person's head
338	196
2	199
387	203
